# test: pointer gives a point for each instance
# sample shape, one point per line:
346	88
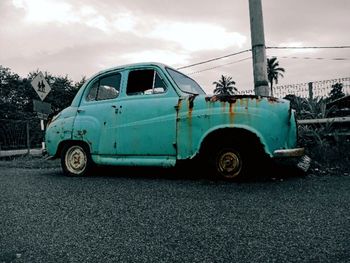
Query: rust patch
207	99
232	113
230	98
191	101
190	109
222	98
81	133
189	119
190	113
178	106
223	106
273	100
246	104
191	105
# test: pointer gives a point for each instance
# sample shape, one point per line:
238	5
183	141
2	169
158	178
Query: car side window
92	95
145	82
105	88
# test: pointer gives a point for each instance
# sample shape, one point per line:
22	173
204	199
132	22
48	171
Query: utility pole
261	85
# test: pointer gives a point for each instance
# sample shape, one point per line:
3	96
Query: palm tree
225	86
273	72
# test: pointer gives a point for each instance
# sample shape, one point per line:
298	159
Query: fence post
28	139
311	94
42	125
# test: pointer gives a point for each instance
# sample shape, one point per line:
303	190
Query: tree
336	92
225	86
273	72
17	94
14	94
80	83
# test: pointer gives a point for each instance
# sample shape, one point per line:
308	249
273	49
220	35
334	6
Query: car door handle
79	111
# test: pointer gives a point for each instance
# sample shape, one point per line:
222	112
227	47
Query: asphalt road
150	216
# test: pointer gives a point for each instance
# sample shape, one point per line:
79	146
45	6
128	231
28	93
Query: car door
147	115
96	120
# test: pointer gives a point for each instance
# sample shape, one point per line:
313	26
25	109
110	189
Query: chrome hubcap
76	160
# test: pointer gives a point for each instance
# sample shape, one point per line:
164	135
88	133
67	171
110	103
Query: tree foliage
225	86
336	92
17	94
274	71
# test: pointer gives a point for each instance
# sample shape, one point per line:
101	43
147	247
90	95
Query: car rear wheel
76	160
228	163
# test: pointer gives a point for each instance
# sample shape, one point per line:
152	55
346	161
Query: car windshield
185	83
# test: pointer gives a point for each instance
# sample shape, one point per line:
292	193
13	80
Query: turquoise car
149	114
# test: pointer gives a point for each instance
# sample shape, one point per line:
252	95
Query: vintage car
149	114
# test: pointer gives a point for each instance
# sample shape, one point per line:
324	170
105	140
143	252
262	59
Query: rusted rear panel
268	118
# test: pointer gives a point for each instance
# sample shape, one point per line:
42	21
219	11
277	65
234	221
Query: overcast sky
81	37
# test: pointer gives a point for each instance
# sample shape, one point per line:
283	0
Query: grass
330	154
329	151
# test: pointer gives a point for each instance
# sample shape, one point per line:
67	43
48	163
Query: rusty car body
149	114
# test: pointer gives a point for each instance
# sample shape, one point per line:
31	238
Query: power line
219	66
317	58
214	59
237	61
314	47
280	47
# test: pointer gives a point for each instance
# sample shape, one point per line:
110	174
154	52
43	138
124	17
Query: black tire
76	160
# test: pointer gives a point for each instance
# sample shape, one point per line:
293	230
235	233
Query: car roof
132	65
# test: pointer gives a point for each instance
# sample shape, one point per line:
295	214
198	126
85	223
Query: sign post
43	109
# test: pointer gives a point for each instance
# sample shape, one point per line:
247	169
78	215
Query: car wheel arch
250	137
66	143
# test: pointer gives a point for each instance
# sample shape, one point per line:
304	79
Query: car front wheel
75	160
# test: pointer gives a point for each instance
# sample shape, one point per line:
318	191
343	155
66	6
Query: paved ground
144	215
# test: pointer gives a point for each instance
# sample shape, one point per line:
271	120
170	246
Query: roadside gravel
148	215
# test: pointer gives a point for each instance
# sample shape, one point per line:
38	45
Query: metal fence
320	88
20	134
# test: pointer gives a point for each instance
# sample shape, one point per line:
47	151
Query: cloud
167	57
189	36
197	36
125	22
41	11
98	22
65	13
